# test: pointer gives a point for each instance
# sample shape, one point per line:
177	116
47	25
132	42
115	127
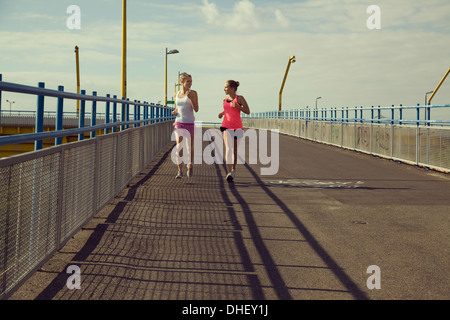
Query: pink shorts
190	127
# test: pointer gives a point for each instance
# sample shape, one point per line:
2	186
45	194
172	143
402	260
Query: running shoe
230	176
179	175
190	172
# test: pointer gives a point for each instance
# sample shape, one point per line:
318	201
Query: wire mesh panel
46	196
78	188
404	143
325	134
28	215
434	147
381	139
336	134
123	171
348	135
362	137
428	146
106	172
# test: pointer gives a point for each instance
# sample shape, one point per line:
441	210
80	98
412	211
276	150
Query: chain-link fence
46	196
419	145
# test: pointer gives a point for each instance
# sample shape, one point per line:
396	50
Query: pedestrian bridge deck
308	232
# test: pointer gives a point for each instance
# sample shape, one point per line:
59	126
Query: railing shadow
352	288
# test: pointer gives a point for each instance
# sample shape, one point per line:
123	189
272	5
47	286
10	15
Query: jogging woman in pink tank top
232	123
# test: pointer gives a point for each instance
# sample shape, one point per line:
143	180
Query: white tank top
185	109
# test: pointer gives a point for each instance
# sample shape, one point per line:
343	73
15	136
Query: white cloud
243	16
210	11
338	58
281	18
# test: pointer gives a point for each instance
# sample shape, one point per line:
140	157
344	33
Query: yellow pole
165	88
124	49
291	60
77	60
439	85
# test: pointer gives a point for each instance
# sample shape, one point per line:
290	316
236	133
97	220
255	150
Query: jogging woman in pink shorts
186	103
232	107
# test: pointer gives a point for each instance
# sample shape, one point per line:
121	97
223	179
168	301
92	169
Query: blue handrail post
361	113
39	117
94	114
139	113
418	114
371	115
379	114
401	114
123	114
392	115
114	129
135	115
107	114
82	115
128	112
157	113
152	113
428	115
0	104
59	116
146	113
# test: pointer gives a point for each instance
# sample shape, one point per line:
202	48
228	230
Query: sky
338	57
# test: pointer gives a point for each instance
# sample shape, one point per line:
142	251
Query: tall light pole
439	85
10	102
124	49
316	101
174	51
291	60
77	66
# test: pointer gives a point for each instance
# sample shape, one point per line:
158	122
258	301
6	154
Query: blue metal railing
151	113
358	114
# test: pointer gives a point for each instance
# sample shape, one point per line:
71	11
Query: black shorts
238	133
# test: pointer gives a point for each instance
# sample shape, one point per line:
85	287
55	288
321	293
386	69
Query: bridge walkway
309	232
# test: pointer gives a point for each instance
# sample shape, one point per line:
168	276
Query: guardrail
427	146
46	196
151	113
391	115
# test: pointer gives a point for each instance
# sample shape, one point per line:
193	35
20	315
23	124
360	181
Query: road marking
305	183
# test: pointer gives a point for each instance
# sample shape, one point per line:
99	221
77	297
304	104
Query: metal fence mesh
421	145
47	196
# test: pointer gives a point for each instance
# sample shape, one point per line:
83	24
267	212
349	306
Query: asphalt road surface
331	224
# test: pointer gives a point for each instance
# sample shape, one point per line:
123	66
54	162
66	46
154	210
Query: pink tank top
232	116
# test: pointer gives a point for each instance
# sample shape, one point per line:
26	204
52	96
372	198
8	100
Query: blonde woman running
232	107
186	101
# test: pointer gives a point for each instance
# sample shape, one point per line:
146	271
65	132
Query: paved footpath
309	232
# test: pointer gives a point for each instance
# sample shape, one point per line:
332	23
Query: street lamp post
317	112
291	60
174	51
10	103
124	50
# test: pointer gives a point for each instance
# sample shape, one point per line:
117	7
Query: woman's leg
228	147
179	140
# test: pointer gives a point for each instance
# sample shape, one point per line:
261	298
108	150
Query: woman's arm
194	98
243	105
